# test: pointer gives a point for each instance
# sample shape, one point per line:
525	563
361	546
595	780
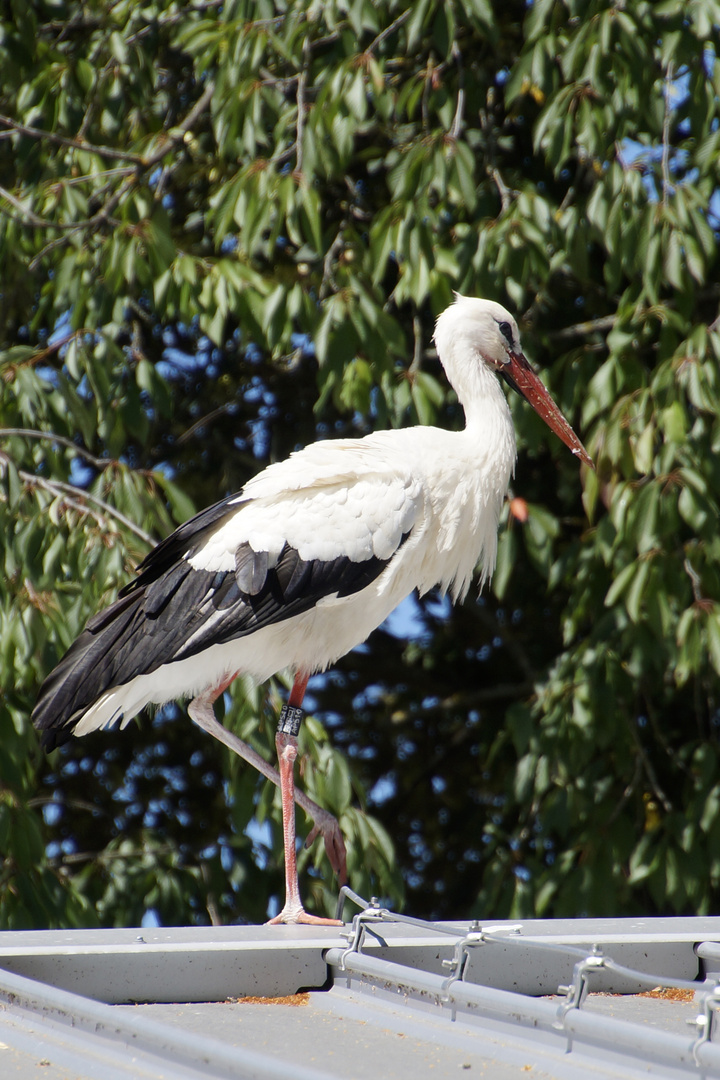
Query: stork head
474	332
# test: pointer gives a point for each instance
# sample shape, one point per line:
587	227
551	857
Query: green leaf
356	384
336	787
674	423
537	17
416	22
539	532
506	554
181	505
643	451
713	633
620	584
85	74
645	517
636	591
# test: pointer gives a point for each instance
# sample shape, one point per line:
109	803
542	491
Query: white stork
302	564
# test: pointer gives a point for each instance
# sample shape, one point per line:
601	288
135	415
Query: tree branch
454	702
49	436
389	30
108	856
457	123
58	242
65	140
28	215
582	329
328	278
73	497
146	161
666	136
221	410
177	135
628	792
417	348
650	771
42	354
300	99
503	189
510	642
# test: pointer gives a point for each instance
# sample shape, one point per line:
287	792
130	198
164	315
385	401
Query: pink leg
201	712
287	747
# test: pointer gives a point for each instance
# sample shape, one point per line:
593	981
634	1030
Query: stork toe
327	827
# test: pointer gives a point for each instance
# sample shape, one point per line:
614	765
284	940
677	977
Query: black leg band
290	720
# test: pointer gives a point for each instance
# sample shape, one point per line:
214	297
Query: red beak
522	378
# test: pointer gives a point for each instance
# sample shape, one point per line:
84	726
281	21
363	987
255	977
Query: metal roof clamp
710	1004
577	991
347	893
458	963
371	913
476	935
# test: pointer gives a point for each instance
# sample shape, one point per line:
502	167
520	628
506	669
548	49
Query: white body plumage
316	551
348	498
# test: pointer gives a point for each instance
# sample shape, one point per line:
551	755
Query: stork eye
506	331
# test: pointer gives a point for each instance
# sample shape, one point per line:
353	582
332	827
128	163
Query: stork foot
293	915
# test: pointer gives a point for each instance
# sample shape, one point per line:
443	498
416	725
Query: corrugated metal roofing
387	997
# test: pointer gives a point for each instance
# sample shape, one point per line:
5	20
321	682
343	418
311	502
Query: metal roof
388	996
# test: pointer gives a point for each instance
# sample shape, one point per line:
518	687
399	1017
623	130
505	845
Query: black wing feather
173	611
185	541
250	569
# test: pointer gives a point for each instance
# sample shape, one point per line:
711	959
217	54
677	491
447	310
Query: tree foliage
225	231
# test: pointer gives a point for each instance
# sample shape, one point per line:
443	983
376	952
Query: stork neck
482	398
